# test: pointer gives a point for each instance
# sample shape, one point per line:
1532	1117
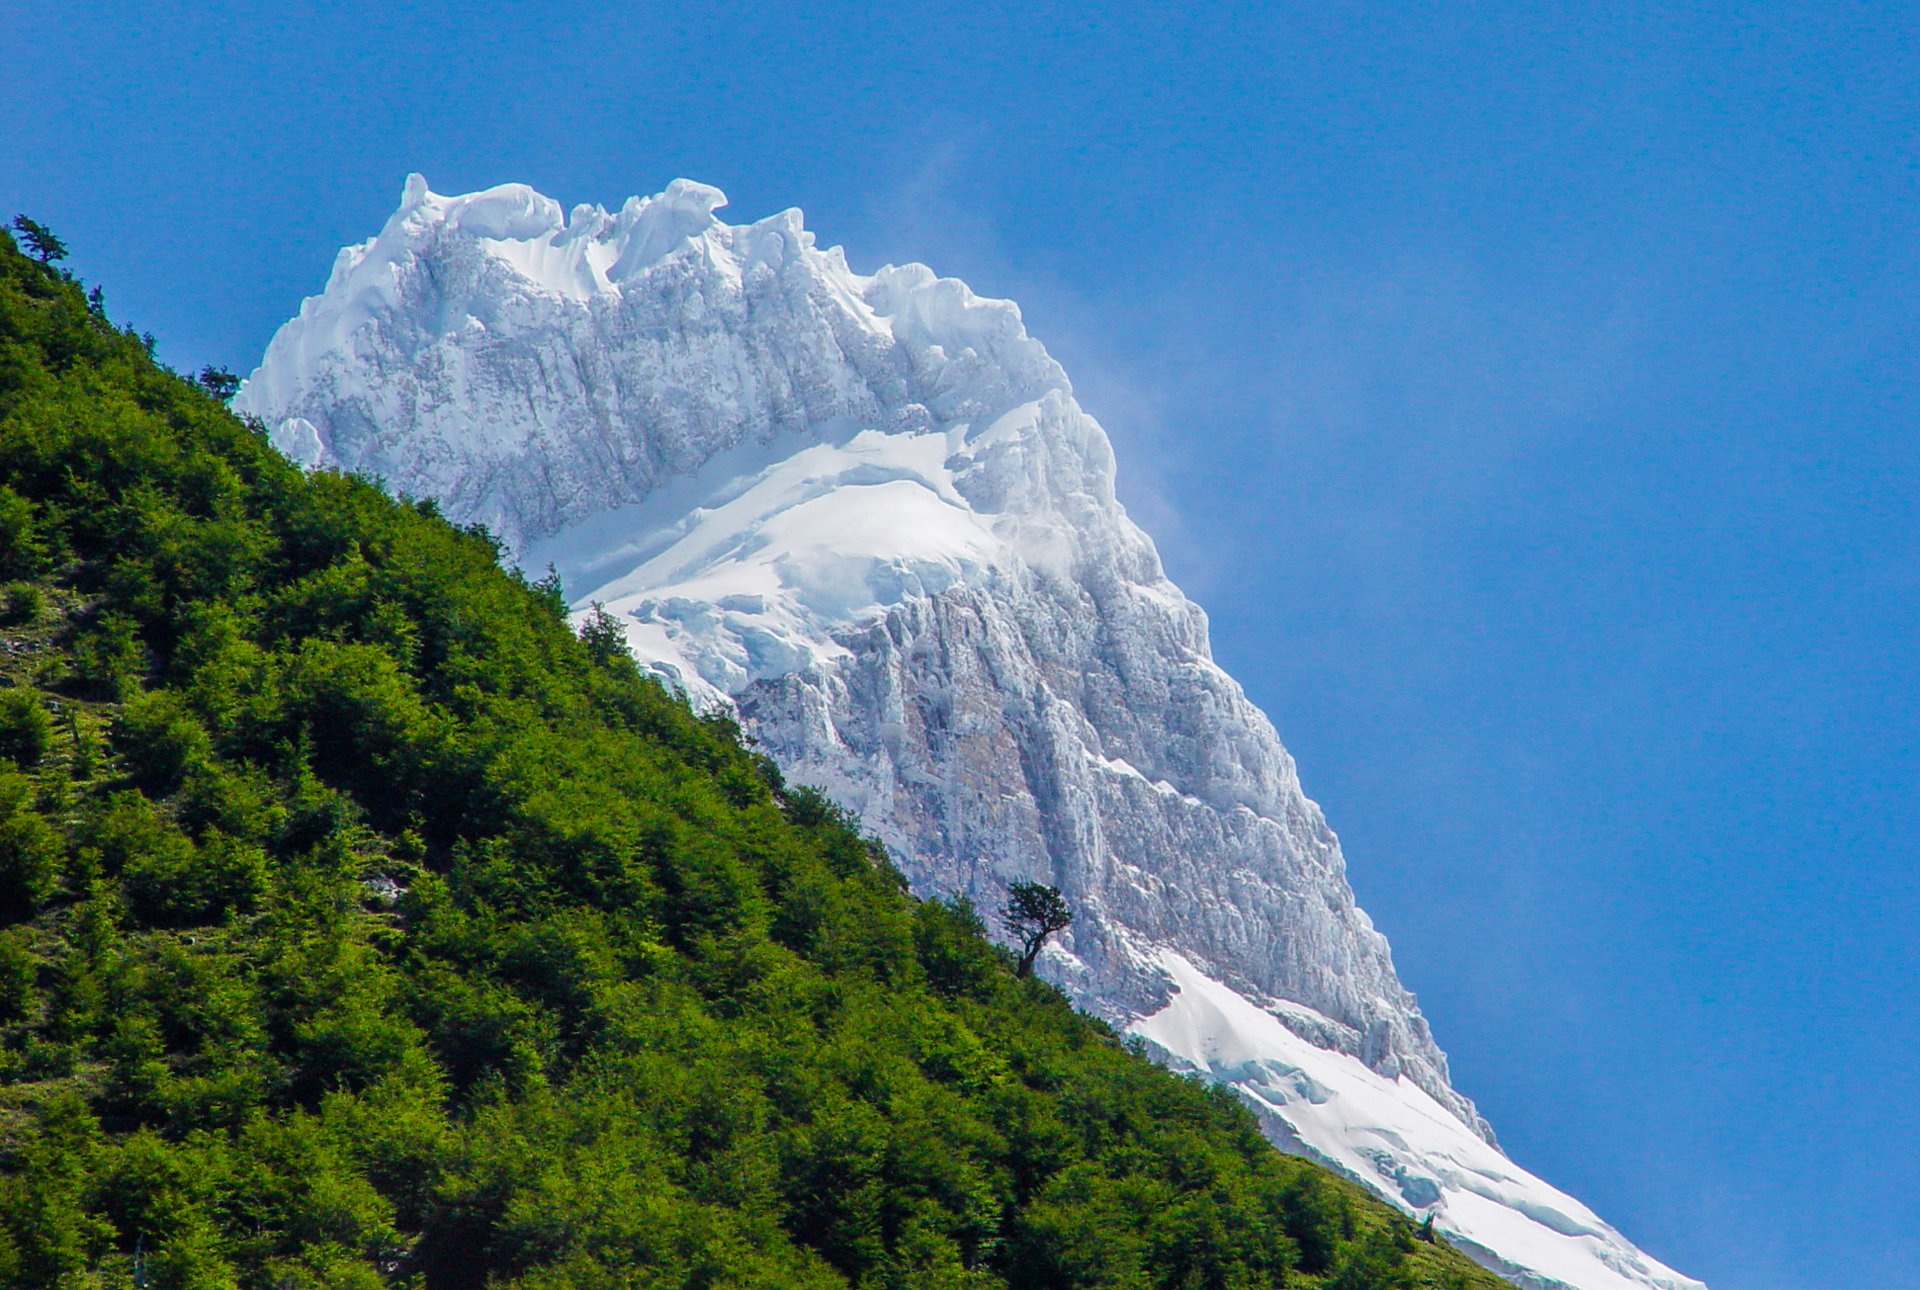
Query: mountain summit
866	514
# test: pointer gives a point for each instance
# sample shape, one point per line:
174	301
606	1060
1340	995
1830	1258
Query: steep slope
360	927
866	515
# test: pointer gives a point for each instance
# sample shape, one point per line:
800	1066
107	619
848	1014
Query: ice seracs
866	512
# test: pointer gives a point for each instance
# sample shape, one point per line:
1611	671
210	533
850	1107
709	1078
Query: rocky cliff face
867	514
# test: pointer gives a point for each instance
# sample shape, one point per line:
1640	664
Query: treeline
361	927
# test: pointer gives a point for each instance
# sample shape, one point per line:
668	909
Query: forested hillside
363	927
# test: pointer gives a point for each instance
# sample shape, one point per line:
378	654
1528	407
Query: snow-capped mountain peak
866	512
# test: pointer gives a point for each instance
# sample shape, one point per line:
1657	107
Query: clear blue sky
1529	393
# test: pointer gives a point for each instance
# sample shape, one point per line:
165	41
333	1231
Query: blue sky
1528	392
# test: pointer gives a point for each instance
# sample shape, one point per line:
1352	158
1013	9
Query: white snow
1391	1135
750	581
867	513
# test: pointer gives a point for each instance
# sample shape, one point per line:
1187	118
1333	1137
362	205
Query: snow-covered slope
867	513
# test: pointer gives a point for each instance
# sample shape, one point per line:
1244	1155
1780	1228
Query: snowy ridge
866	512
1392	1136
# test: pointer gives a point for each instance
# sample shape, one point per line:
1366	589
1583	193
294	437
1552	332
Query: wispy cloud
944	207
1377	394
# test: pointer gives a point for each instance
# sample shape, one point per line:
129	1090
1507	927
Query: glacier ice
866	513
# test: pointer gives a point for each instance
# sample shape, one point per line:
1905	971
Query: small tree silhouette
606	642
42	245
551	592
218	382
1034	912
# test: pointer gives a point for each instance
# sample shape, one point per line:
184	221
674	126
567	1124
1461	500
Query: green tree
106	657
26	731
21	548
42	245
22	604
158	738
604	638
547	587
29	860
17	971
1034	911
218	382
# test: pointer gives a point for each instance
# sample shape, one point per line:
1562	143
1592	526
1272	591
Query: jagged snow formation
867	513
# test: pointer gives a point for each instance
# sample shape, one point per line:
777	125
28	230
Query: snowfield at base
1394	1137
865	513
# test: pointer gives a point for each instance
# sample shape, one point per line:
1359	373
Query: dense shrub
26	730
22	604
107	660
158	738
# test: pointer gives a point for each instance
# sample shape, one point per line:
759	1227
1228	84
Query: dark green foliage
41	244
16	978
218	382
548	591
1034	912
158	737
106	658
21	550
1319	1218
951	944
30	850
1379	1262
364	928
606	643
26	730
22	604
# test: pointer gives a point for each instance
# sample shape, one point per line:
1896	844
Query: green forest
362	926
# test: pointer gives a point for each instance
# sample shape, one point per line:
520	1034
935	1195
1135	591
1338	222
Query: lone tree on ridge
1034	912
218	382
42	245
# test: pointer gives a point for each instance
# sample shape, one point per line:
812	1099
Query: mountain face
866	514
362	926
